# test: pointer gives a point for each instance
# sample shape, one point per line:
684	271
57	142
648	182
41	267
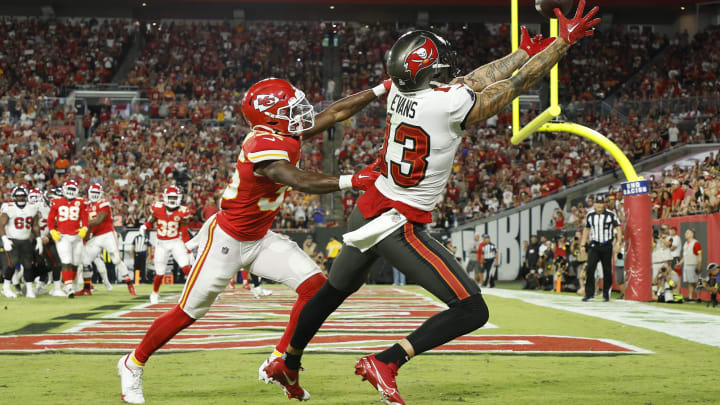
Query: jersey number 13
416	148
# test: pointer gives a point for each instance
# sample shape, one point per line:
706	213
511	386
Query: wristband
345	181
379	90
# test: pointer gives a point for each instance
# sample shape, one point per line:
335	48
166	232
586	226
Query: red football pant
161	331
305	291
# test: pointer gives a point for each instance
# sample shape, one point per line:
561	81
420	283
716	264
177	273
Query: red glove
366	177
578	27
535	44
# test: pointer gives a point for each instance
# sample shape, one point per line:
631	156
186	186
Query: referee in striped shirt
601	225
139	250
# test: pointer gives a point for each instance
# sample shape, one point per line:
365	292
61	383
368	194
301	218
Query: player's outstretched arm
346	108
495	97
281	171
503	68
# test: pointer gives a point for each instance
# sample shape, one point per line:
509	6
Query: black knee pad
476	308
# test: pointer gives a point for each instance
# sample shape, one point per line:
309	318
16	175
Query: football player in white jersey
20	235
425	124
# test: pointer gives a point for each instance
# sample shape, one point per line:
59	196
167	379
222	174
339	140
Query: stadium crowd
195	74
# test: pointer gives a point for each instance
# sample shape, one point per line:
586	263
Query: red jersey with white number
250	201
94	209
19	220
67	216
423	132
168	222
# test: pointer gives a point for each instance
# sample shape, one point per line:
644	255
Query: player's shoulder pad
269	147
103	203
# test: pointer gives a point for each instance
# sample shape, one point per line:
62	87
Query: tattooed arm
502	68
494	71
497	96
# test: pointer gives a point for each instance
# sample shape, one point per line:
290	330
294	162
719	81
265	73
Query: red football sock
161	331
68	276
305	291
156	283
186	269
244	275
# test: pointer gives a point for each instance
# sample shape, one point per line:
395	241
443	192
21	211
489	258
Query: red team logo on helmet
264	102
421	57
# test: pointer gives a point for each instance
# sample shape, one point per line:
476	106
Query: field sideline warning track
692	326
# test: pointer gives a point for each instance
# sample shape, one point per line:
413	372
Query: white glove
7	243
143	228
39	245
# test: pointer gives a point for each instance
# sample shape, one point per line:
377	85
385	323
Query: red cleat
131	288
84	291
286	378
246	286
381	376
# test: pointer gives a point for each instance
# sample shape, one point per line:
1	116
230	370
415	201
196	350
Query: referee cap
485	235
599	198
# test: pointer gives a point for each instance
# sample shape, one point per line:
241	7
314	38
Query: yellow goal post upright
637	226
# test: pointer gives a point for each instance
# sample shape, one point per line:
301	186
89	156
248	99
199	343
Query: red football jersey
250	201
107	224
168	222
67	216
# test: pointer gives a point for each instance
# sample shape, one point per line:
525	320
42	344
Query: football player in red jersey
103	237
239	235
172	219
68	224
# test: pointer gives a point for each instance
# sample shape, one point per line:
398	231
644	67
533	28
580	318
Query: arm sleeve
587	221
461	101
697	249
616	220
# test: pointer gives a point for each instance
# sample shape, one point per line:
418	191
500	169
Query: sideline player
425	125
18	224
103	237
48	259
68	221
172	219
239	235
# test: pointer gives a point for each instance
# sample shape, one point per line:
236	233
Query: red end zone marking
327	343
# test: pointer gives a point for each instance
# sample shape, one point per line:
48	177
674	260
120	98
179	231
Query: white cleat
69	291
41	289
262	375
130	381
57	292
154	298
108	285
30	292
260	292
8	292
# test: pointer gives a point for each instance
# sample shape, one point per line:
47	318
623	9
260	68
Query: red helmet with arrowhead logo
276	105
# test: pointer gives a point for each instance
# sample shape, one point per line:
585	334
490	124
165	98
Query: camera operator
667	286
661	255
710	283
566	273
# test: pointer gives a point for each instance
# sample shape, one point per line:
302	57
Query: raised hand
366	177
533	45
579	26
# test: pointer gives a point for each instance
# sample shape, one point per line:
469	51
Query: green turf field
678	372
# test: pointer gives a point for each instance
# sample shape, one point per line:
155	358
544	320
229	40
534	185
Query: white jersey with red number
94	209
250	202
44	210
20	220
67	216
423	132
168	222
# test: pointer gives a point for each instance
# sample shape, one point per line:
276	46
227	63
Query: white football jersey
44	210
423	132
19	224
